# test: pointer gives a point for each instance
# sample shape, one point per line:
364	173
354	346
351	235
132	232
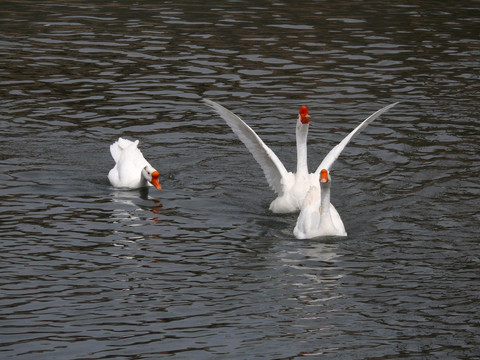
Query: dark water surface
202	269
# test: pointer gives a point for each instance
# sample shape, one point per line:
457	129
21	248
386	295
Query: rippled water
202	269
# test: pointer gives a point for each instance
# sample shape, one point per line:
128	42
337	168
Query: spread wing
337	150
271	165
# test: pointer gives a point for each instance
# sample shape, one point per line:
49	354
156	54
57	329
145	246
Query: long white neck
301	134
325	203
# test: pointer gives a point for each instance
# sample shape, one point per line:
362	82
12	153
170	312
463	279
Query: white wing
337	150
271	165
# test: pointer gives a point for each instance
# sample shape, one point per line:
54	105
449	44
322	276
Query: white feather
337	150
272	167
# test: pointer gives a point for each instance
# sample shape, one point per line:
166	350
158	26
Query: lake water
202	269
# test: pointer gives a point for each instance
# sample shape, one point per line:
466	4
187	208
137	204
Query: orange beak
155	181
305	119
324	176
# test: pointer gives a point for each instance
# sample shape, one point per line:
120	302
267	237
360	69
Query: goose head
324	176
303	115
151	175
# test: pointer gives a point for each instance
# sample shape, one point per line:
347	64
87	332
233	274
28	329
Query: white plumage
131	170
318	217
290	187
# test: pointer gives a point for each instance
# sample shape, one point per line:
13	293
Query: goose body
290	187
131	170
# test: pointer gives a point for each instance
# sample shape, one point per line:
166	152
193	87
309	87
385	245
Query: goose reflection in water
133	203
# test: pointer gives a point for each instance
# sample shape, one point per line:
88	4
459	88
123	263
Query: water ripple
202	269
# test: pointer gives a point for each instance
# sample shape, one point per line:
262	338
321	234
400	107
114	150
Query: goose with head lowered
290	187
318	217
131	170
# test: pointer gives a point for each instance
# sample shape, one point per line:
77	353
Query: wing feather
337	150
271	165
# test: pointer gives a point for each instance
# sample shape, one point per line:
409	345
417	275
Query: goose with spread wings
290	187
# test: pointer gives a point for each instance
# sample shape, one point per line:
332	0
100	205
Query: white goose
291	188
131	170
318	217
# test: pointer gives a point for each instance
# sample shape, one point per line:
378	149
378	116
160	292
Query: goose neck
301	135
325	199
